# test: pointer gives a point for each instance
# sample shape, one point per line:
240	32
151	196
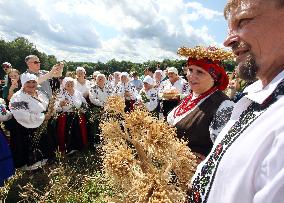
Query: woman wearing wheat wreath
203	113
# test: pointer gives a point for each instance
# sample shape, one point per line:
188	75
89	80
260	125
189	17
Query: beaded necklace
187	104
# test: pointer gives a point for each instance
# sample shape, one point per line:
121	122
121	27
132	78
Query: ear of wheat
143	157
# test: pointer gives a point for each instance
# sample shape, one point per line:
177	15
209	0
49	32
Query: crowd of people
232	122
49	112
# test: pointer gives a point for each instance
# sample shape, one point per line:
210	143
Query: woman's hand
47	116
64	103
14	84
127	94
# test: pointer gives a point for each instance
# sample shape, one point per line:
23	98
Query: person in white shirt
71	122
98	95
158	78
100	92
175	84
116	79
81	83
246	163
127	90
148	96
93	81
28	105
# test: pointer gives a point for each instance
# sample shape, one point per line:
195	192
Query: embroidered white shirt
252	168
27	110
74	101
98	96
121	88
84	89
152	97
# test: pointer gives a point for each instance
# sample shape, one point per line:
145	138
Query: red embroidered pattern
187	104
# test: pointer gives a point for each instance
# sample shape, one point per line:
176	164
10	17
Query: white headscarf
149	80
25	77
67	79
124	74
80	69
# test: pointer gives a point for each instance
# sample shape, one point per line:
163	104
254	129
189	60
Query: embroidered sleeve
94	96
220	119
19	105
25	116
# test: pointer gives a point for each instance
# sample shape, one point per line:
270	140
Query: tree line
15	52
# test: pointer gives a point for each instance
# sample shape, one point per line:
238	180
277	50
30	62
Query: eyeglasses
36	62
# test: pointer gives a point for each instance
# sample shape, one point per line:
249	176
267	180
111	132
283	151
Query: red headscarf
214	68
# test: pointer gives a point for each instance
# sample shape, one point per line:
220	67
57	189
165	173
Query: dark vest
194	128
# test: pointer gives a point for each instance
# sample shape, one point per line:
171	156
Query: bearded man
246	163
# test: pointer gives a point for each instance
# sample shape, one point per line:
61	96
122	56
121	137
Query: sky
100	30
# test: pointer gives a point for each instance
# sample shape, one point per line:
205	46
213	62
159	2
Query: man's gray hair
233	4
30	57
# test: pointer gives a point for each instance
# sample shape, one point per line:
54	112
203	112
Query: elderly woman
98	95
100	91
71	123
30	149
148	96
175	86
205	106
94	79
81	83
126	90
6	161
115	79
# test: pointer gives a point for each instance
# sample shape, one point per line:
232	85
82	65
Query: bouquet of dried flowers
143	157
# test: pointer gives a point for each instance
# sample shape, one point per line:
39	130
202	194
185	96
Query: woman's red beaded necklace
187	104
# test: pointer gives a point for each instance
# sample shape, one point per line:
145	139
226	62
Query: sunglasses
36	62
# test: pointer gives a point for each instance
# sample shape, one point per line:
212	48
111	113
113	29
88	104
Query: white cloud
93	30
199	11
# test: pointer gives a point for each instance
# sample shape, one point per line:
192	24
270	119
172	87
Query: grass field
73	178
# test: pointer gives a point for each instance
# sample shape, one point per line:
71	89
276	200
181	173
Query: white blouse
152	98
219	120
121	88
181	85
84	89
98	96
28	110
75	101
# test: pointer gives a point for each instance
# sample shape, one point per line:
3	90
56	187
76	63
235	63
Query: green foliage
229	65
16	51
